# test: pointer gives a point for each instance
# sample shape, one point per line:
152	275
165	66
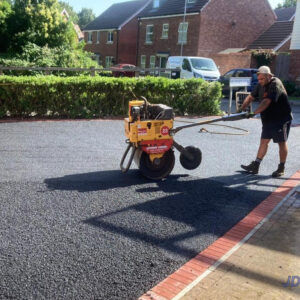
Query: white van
193	67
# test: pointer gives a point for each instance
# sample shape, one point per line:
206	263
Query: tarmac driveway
73	227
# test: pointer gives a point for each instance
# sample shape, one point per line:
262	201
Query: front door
162	61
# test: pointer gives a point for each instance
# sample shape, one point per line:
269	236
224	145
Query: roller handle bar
232	117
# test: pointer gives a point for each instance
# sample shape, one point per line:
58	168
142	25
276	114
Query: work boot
279	172
252	168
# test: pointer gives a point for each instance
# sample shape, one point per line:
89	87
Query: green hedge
92	97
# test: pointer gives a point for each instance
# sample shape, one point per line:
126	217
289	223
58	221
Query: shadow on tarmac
200	206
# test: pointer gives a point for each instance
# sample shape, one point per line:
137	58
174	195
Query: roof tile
116	15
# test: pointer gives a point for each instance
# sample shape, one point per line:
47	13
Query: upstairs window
110	37
149	34
182	33
156	3
98	37
165	31
90	37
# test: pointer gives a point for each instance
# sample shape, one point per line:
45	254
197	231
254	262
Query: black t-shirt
279	110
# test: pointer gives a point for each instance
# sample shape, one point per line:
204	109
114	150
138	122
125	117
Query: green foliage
287	3
39	22
85	16
71	12
5	12
35	56
292	89
90	97
263	57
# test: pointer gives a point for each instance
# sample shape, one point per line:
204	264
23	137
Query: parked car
193	67
225	79
122	70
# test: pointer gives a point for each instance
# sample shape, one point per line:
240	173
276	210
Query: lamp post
181	47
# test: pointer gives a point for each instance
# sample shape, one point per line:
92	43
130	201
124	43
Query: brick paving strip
190	274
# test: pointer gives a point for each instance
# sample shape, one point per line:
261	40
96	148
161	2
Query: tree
70	10
287	3
5	12
85	16
39	22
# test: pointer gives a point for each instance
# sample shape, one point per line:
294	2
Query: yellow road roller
150	136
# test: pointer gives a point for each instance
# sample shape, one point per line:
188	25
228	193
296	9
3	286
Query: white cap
264	70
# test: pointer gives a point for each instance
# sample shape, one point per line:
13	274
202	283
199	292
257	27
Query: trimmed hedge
93	97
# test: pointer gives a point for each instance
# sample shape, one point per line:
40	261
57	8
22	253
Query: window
186	65
110	37
108	61
149	34
143	61
182	33
152	63
98	37
191	1
229	74
155	3
90	37
165	31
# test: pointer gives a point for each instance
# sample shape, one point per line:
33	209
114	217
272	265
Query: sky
99	6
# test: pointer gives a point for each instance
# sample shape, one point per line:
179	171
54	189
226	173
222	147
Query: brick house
112	36
198	27
278	37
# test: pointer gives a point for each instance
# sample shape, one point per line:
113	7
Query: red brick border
193	269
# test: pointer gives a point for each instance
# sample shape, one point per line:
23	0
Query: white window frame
90	37
143	61
182	32
149	34
110	37
98	37
165	31
108	61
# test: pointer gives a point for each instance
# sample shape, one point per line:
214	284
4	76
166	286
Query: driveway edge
190	274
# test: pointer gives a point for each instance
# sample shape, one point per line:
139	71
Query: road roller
150	131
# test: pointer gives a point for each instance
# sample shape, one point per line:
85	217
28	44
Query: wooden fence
93	71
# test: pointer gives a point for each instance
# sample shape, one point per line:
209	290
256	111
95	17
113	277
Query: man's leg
262	150
281	138
283	151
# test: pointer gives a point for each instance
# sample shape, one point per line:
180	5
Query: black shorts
278	131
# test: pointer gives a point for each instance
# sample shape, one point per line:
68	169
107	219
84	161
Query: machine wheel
159	169
195	162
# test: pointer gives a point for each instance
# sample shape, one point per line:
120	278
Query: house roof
277	34
231	50
116	15
285	13
172	7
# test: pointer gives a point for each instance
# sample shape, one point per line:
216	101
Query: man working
276	117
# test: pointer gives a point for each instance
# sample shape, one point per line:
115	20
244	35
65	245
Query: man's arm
247	102
265	103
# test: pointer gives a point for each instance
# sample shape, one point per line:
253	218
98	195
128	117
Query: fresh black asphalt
72	226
